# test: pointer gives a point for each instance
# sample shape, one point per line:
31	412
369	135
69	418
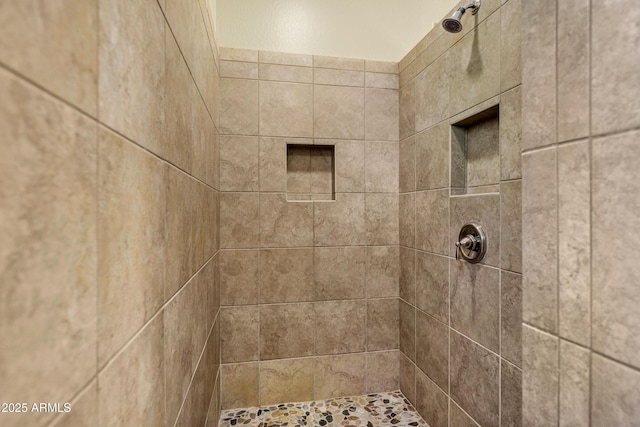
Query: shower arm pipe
475	7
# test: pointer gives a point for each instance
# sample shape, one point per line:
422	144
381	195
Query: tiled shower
189	228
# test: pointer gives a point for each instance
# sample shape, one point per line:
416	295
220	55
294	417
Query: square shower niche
310	172
475	153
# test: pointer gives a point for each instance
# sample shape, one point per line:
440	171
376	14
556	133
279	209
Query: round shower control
472	243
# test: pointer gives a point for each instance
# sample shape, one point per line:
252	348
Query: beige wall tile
539	230
381	67
459	418
338	63
511	317
239	221
239	70
285	224
407	220
239	385
205	162
286	275
381	114
238	107
432	349
381	214
539	377
273	162
511	395
408	378
511	226
285	58
615	396
339	273
432	158
234	54
340	223
340	376
299	169
349	166
475	381
407	275
382	324
286	73
510	44
482	153
131	228
382	271
510	134
338	112
574	384
239	163
407	342
286	330
383	370
432	285
407	107
286	381
286	109
340	327
615	320
84	409
431	402
131	387
382	80
432	221
574	238
326	76
381	167
239	329
407	165
432	94
483	209
239	277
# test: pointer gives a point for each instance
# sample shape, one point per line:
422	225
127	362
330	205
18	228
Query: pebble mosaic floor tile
372	410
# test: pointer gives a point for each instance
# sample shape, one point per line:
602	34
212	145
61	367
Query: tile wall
581	141
109	212
309	288
460	323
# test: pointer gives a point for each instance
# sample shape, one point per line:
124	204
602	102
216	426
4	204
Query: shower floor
372	410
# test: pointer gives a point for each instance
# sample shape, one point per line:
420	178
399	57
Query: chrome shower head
454	23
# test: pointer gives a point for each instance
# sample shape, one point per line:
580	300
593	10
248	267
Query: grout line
591	216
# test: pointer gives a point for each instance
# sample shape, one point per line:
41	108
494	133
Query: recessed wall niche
475	153
310	172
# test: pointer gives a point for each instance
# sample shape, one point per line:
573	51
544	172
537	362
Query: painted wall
371	29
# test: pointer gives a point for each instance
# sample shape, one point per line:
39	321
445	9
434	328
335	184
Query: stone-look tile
407	279
239	277
239	163
511	320
510	134
205	161
407	165
483	209
574	238
284	224
273	162
432	285
341	222
431	402
511	395
349	166
539	73
475	383
383	371
84	409
381	114
383	269
432	158
131	387
615	296
408	378
432	221
615	393
286	275
49	199
459	418
432	349
338	63
432	93
475	63
239	70
381	214
511	226
339	273
286	73
381	67
381	167
407	113
574	385
239	220
338	112
482	160
407	338
340	327
234	54
510	45
131	224
239	329
322	76
132	50
539	378
539	230
382	324
407	219
573	69
286	330
285	58
286	109
615	98
382	80
475	302
322	171
340	376
238	107
59	52
214	408
239	385
286	381
298	170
